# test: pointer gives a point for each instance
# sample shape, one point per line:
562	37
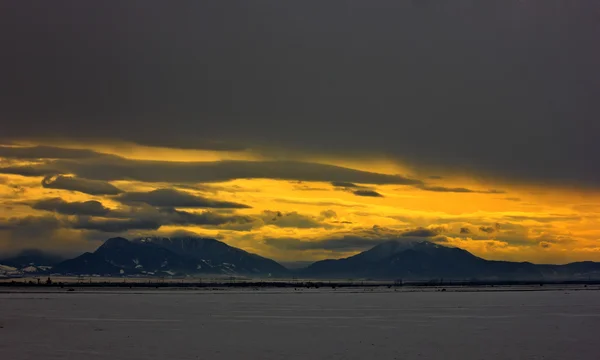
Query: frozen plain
285	324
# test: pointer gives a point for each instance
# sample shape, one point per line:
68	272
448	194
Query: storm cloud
457	189
28	170
487	229
91	187
411	80
175	198
145	218
45	152
421	232
117	168
90	208
115	225
344	184
170	216
291	220
368	193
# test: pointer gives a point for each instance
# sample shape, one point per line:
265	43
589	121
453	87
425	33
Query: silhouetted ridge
397	259
170	256
424	260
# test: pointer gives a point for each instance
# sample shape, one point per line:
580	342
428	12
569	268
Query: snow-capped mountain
169	256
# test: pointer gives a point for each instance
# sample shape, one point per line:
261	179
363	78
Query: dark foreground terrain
558	323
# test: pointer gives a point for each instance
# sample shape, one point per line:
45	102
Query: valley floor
559	323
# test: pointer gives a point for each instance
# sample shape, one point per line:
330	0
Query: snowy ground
318	324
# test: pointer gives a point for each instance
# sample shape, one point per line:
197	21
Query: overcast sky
498	94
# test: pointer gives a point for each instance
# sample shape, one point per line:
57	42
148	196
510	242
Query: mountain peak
402	258
392	247
116	242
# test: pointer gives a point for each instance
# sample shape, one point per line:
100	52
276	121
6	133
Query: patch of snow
207	262
30	269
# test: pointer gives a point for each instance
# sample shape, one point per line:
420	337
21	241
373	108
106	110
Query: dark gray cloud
457	189
291	220
357	190
92	187
28	170
328	214
227	170
58	205
487	229
420	232
445	189
369	193
170	216
92	215
344	184
45	152
414	81
175	198
115	225
116	168
465	230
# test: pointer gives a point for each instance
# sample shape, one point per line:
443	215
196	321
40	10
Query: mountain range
396	259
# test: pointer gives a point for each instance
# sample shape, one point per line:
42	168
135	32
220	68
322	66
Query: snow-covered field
319	324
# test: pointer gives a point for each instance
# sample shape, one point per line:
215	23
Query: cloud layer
110	168
413	81
175	198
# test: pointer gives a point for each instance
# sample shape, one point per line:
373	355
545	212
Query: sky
303	130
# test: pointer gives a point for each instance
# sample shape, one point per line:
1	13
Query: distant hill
31	258
424	260
29	261
169	256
